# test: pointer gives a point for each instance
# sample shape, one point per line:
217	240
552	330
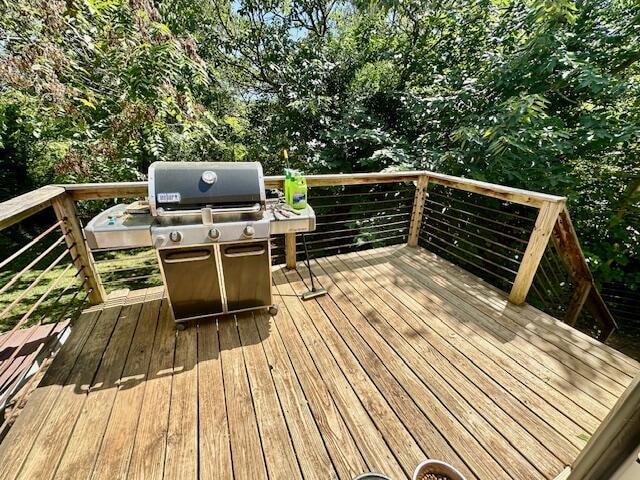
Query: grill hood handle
255	208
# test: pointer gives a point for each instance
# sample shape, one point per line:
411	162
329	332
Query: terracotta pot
437	467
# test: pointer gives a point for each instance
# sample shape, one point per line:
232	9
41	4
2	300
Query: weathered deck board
276	443
407	357
246	448
149	446
215	449
411	322
493	364
117	443
506	321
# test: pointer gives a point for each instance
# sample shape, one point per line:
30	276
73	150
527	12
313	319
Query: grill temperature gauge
209	177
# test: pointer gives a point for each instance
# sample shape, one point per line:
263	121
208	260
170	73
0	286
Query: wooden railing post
417	211
578	299
573	257
290	249
65	209
538	240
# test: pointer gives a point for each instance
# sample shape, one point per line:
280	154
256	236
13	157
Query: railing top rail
14	210
510	194
17	209
88	191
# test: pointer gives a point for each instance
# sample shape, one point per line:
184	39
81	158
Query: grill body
212	237
211	225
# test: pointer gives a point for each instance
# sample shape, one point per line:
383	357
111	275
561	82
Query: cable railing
43	286
373	216
521	242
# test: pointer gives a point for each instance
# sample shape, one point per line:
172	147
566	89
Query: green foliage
540	94
99	89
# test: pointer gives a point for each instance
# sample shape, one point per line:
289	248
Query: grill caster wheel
273	310
180	327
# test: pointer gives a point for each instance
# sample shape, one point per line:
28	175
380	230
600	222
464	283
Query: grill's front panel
192	280
247	274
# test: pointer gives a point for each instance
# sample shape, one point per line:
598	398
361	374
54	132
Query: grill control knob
214	234
249	231
175	236
209	177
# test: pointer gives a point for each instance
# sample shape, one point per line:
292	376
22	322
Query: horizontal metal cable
449	244
488	250
17	276
381	225
493	242
466	260
471	214
475	225
484	207
396	201
33	308
29	245
311	242
369	219
361	212
352	245
33	284
363	194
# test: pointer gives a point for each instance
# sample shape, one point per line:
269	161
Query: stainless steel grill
211	224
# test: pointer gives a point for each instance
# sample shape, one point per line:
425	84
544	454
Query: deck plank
52	438
378	314
147	458
376	402
534	439
82	449
478	460
589	345
356	415
16	446
276	442
520	383
181	460
531	350
345	341
492	338
215	449
580	361
342	448
307	440
246	447
117	443
407	357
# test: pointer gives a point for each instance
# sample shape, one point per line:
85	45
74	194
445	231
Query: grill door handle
192	256
233	252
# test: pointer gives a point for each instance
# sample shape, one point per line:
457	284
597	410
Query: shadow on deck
407	357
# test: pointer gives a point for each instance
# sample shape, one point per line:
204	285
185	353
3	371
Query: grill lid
191	186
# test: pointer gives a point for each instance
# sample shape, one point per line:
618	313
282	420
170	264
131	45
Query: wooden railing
46	278
500	233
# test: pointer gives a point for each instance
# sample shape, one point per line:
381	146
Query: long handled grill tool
314	292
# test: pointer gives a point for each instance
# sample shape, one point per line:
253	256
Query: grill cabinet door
247	274
191	278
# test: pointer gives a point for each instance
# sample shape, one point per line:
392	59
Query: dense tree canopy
540	94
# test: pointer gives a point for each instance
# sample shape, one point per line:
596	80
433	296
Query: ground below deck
407	357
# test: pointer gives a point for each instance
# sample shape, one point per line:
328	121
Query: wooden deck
407	357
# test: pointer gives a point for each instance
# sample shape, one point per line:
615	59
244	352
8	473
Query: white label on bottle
168	197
